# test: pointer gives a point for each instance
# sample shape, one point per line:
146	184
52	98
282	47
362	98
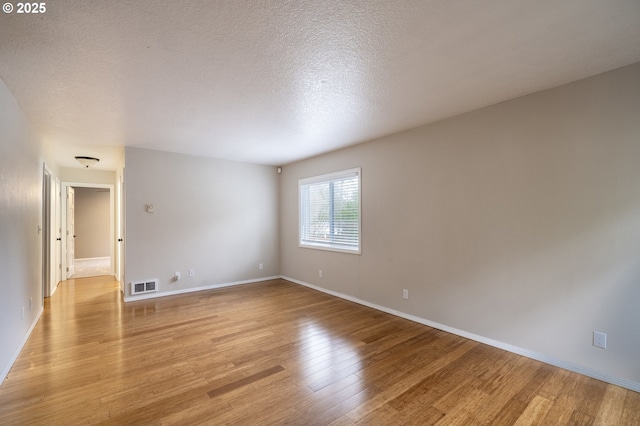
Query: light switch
149	208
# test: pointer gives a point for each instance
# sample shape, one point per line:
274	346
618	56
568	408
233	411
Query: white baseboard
92	258
193	289
627	384
6	370
55	287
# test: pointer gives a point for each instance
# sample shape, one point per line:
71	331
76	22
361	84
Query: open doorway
51	234
91	227
89	222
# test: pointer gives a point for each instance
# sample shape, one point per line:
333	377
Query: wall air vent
144	287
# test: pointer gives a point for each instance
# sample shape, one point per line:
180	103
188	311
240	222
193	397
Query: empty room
320	212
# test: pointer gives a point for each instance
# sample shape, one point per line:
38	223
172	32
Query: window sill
330	247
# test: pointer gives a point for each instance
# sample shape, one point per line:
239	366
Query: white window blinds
330	211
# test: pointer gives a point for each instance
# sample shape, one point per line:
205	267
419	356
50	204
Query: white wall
87	176
217	217
21	170
518	223
92	223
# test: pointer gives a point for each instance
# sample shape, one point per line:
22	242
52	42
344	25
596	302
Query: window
330	211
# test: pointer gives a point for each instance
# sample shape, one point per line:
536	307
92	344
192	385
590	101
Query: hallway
94	267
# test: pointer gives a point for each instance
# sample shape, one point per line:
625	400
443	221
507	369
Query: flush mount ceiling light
87	161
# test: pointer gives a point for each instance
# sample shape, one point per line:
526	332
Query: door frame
57	234
119	223
51	232
46	235
112	249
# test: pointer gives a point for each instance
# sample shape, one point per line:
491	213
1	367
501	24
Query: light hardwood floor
276	353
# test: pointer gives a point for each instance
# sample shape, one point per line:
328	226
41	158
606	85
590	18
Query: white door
58	233
119	229
71	233
46	233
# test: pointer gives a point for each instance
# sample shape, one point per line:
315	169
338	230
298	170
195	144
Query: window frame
330	177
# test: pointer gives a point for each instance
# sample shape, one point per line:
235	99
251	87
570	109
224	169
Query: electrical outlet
260	266
405	293
176	276
320	273
192	272
600	339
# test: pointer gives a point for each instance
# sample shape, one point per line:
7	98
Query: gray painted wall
519	223
217	217
21	169
92	216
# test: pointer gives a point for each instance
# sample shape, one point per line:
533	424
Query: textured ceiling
272	82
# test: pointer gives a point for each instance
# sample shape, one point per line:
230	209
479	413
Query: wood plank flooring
277	353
